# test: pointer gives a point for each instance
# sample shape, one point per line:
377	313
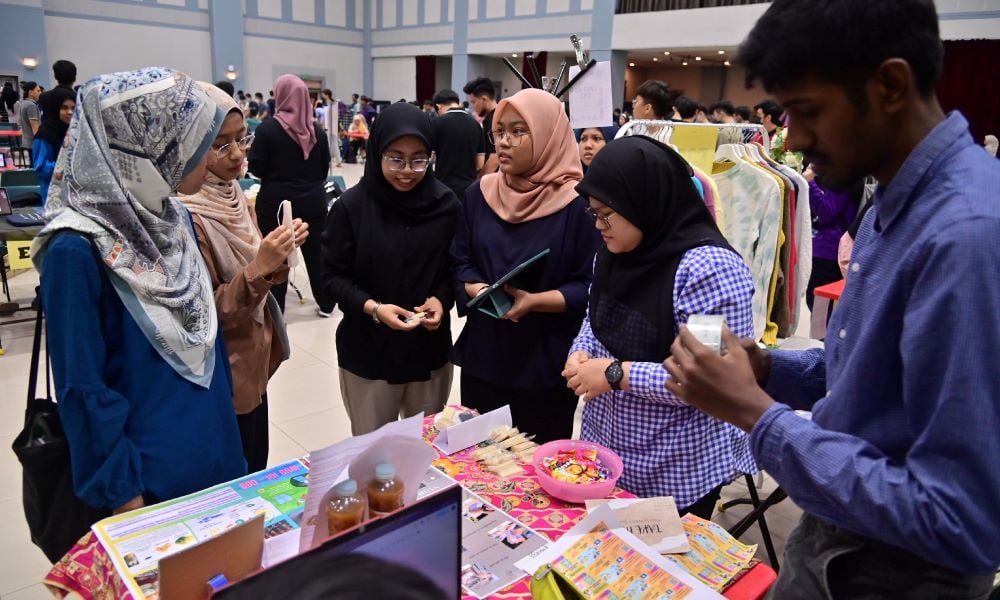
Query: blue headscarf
608	132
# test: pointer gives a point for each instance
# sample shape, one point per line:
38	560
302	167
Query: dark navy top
135	426
530	354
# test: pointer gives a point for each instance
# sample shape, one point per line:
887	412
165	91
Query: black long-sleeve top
371	253
276	159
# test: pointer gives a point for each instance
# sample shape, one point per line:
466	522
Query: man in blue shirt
898	471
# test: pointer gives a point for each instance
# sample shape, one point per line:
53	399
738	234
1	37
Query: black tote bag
56	517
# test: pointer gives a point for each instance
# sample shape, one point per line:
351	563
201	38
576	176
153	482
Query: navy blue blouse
530	354
135	426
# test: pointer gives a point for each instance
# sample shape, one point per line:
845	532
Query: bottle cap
385	471
348	487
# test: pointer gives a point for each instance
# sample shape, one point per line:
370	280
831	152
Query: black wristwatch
614	374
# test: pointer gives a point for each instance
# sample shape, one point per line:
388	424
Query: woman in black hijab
57	110
663	260
385	252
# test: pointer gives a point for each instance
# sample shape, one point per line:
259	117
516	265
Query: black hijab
631	299
430	198
52	129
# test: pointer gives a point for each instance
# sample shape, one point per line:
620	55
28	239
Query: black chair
756	515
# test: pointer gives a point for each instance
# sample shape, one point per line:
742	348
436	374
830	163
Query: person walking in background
385	252
331	123
242	267
833	212
291	157
8	98
482	96
57	111
140	370
28	118
529	206
459	145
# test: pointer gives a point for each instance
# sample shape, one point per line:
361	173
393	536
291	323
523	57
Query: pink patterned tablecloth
87	569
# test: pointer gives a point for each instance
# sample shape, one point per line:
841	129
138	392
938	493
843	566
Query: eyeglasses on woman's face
397	163
244	144
515	136
604	218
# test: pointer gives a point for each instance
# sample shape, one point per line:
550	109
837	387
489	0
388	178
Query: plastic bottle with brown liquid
385	492
346	509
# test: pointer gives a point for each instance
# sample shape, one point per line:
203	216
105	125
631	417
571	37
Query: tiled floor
306	412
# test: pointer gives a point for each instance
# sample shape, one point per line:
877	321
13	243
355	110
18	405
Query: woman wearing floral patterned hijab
145	395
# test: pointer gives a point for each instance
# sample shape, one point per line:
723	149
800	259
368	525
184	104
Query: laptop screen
426	536
4	202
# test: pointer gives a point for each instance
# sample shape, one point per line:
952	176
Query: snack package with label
577	466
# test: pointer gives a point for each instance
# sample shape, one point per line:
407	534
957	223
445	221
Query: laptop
425	536
4	203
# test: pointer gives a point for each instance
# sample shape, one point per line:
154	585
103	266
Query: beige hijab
549	185
232	234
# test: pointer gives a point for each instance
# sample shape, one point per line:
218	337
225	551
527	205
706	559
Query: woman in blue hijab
591	140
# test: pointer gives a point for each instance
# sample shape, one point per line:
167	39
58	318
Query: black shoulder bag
56	517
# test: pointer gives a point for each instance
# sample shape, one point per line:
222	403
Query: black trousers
704	506
255	437
548	414
312	254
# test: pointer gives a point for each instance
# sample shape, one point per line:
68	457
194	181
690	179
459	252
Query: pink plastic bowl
577	493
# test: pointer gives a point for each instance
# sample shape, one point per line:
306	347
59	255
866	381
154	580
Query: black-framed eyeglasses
606	219
514	136
242	144
417	165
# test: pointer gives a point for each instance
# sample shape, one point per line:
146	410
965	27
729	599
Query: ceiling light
231	73
697	58
726	63
685	63
667	53
631	64
656	59
514	55
722	51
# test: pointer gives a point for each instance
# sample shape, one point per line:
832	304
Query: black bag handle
35	355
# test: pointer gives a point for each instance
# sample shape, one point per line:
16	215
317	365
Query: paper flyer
492	542
590	99
715	557
329	466
137	540
655	521
599	555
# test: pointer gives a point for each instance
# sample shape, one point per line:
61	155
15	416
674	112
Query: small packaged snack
576	466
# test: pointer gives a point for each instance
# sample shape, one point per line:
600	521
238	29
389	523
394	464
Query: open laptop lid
425	536
4	202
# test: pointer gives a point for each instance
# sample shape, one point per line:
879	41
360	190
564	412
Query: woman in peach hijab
529	206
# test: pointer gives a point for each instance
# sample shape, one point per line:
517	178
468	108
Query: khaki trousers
372	403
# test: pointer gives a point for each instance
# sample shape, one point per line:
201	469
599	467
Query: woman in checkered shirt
663	260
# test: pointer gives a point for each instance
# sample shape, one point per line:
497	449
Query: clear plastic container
385	492
346	509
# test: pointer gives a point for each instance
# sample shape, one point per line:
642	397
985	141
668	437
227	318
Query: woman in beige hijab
243	267
529	206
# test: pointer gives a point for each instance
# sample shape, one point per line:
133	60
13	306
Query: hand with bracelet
390	315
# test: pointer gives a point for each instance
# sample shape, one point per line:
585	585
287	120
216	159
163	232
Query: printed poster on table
137	540
492	541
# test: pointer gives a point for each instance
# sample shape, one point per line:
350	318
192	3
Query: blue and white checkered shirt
670	448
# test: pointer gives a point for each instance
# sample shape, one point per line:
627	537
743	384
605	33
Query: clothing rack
660	129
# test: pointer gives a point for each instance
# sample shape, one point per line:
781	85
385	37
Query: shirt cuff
784	367
258	282
767	433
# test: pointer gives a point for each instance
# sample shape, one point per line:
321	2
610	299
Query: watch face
614	372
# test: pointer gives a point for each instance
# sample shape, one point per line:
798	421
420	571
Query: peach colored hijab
549	185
